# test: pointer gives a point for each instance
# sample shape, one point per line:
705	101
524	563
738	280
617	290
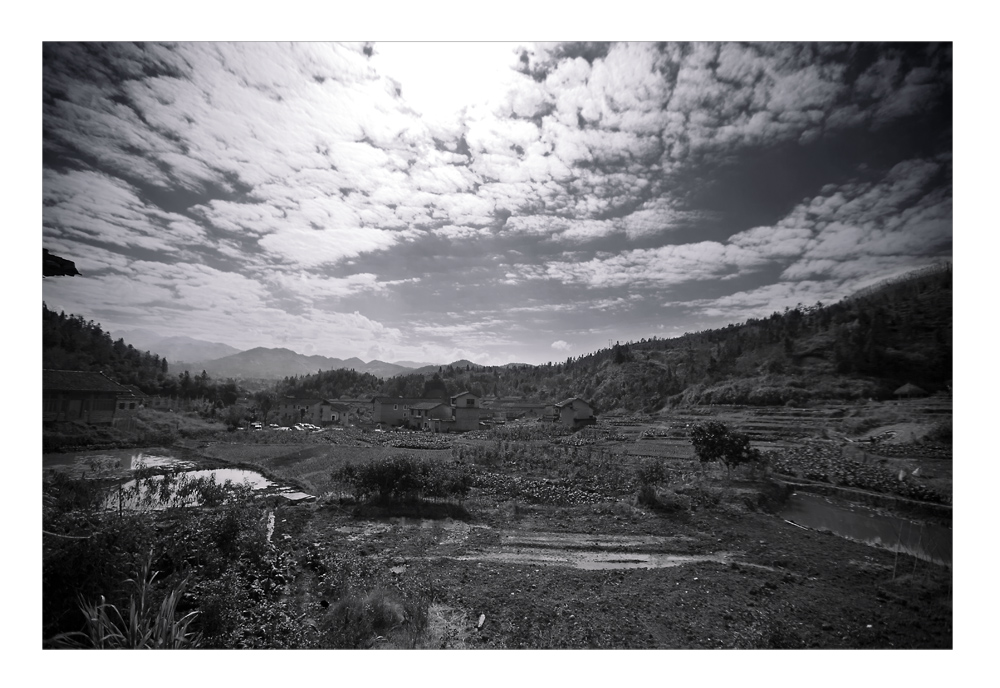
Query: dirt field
618	576
612	574
552	550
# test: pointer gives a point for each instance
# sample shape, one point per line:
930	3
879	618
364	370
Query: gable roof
428	405
408	401
307	401
80	381
567	402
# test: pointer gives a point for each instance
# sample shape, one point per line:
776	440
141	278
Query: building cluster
87	397
465	411
93	398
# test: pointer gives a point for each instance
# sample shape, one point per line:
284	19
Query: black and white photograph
483	345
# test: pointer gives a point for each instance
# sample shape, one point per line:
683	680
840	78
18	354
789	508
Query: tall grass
143	626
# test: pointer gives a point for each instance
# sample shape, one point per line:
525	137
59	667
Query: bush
359	622
404	478
650	472
940	433
667	501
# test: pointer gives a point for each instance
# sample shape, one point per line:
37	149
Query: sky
497	202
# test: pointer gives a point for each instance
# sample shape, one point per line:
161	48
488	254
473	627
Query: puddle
363	531
925	541
582	541
596	561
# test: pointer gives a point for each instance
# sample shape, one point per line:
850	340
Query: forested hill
865	346
71	343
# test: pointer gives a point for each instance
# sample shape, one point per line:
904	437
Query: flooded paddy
926	541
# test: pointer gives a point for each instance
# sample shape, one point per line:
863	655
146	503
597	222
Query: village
95	399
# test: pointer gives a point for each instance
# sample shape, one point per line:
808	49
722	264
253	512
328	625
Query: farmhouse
504	410
340	413
309	410
393	410
573	413
73	395
423	415
465	412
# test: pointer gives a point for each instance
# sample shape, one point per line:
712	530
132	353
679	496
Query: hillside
71	343
865	346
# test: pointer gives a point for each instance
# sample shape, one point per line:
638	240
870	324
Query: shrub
357	622
650	472
402	477
940	433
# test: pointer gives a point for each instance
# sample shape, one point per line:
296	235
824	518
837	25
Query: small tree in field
713	441
234	416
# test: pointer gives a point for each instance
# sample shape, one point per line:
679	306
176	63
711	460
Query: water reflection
923	540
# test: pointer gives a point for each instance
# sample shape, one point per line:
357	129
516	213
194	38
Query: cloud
97	207
561	345
763	301
663	266
314	247
311	177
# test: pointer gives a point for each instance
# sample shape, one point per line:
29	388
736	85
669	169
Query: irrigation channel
925	541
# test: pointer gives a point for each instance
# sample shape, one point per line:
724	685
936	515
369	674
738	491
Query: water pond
185	486
925	541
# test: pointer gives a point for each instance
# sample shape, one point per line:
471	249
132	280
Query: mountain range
175	348
224	361
271	364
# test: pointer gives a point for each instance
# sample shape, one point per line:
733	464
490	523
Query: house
74	395
393	410
466	412
291	410
340	413
141	397
359	410
505	410
573	413
423	415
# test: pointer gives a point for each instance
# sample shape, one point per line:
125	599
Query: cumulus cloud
560	345
311	175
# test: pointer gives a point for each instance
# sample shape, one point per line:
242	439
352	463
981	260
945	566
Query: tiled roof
427	405
79	381
399	400
566	402
307	401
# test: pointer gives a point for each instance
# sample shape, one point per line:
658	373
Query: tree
234	416
435	388
265	402
713	441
